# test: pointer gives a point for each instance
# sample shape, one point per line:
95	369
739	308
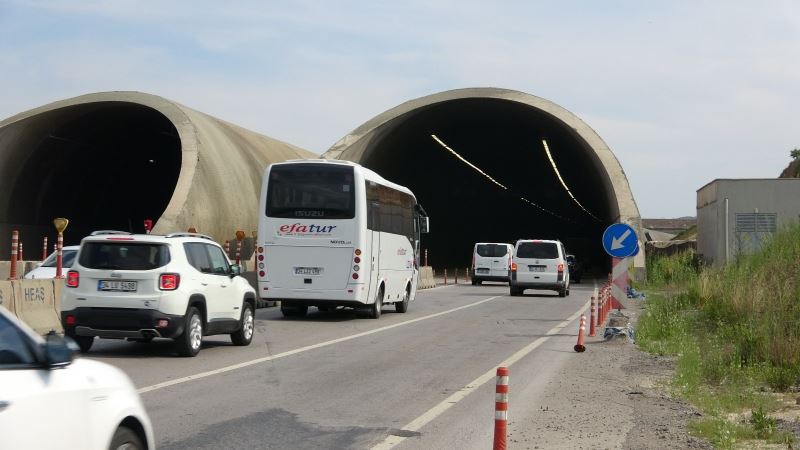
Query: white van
491	261
539	264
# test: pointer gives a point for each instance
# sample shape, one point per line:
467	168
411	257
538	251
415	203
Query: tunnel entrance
103	165
504	140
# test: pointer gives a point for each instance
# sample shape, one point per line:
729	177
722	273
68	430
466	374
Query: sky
683	92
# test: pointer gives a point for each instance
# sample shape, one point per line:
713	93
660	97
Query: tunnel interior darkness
106	165
503	139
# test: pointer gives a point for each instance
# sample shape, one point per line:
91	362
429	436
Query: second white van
491	261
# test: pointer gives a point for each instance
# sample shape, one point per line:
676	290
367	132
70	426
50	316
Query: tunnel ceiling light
466	162
558	174
476	168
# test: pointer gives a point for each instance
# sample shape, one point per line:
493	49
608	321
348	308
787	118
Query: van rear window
537	250
492	250
123	256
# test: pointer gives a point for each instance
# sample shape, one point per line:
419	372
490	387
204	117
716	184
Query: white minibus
333	233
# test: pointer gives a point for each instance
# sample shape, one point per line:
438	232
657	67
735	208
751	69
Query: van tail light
73	279
513	267
169	281
561	267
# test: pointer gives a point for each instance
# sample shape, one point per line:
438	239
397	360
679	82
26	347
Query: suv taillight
169	281
73	279
561	267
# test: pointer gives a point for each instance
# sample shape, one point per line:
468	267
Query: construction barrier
35	304
7	296
426	280
5	269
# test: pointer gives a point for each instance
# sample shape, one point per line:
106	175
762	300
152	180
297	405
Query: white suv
539	264
139	287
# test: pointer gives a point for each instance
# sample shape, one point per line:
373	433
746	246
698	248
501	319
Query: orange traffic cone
579	347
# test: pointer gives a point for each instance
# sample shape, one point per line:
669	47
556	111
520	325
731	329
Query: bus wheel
375	311
402	306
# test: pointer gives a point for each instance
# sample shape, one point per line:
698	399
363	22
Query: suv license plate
116	286
308	270
536	268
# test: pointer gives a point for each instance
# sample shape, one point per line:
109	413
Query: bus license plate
536	268
116	286
308	270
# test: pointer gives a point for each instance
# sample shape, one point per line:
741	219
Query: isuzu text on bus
332	233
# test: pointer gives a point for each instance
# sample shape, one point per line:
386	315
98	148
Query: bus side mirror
424	225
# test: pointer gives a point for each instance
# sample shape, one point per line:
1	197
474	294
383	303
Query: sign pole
61	224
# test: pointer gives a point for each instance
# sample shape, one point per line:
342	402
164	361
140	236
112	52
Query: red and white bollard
228	249
12	275
445	277
21	253
579	347
44	249
59	259
592	315
238	251
501	409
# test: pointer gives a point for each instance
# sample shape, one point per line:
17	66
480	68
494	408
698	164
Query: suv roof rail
185	234
102	232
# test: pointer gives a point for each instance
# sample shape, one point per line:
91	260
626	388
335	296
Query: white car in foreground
48	400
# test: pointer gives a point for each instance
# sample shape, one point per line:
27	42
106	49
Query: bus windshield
324	191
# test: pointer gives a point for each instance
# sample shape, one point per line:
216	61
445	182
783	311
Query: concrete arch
112	159
498	111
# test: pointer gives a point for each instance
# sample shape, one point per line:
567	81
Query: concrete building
738	216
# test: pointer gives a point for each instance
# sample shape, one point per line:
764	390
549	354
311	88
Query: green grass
735	334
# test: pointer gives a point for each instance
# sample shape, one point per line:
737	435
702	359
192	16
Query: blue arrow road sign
620	241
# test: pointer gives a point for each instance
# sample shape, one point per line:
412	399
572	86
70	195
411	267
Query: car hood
102	375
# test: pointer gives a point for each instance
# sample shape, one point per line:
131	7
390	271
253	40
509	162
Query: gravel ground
611	397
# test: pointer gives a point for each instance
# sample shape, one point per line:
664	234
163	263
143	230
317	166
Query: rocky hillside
792	170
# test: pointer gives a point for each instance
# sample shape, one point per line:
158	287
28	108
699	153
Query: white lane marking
462	393
304	349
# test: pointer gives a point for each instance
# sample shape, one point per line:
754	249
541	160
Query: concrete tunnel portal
496	182
106	165
109	160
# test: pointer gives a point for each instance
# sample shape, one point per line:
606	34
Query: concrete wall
779	196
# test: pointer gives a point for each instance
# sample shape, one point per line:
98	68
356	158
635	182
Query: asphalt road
337	380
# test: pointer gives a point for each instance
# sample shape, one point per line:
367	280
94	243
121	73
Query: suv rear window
123	255
537	250
492	250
